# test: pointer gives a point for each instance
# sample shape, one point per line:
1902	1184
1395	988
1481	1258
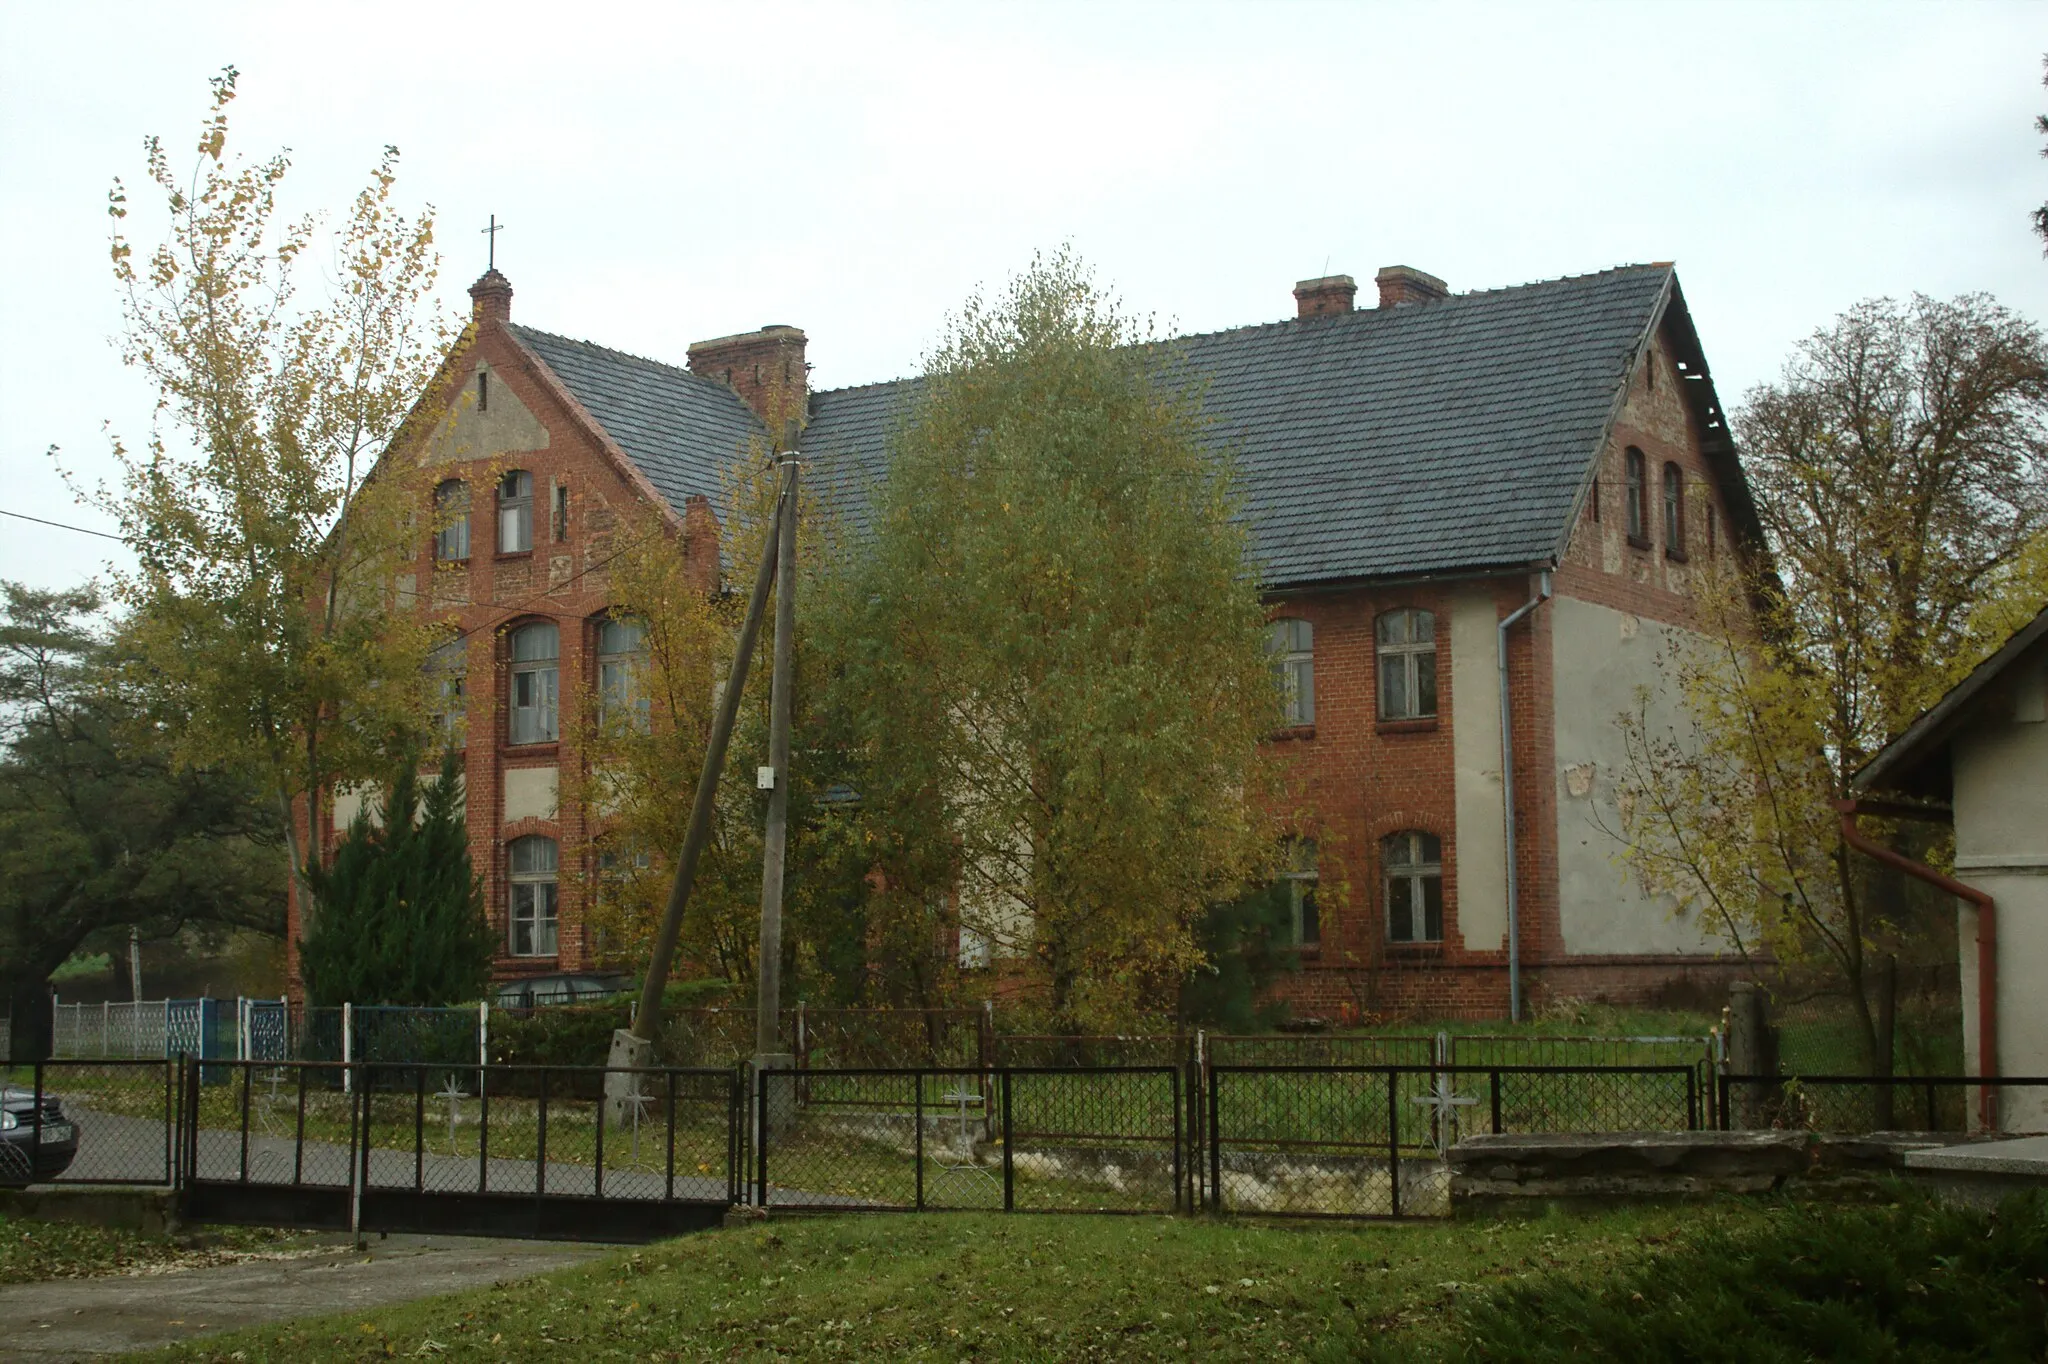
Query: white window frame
1301	877
533	905
515	512
618	672
1405	885
533	696
449	667
1407	658
451	530
1290	641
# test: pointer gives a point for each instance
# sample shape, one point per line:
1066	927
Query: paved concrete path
73	1319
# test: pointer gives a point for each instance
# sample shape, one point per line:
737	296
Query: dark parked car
19	1149
562	988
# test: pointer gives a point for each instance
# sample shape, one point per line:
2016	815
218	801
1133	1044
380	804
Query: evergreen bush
401	909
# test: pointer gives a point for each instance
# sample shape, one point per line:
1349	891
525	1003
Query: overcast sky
670	172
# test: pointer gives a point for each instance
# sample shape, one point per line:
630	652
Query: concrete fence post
1748	1051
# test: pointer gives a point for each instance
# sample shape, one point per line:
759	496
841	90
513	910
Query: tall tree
403	917
1051	654
1900	466
267	611
100	829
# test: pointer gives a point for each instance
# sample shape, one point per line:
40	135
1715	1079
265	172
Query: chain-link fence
90	1122
1065	1139
1369	1141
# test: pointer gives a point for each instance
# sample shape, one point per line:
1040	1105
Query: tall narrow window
451	521
535	649
530	870
1414	886
1674	511
1305	928
447	670
621	653
1407	661
483	390
1596	500
561	512
1291	643
515	512
1638	518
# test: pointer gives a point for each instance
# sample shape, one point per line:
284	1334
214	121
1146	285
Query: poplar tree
1050	655
275	630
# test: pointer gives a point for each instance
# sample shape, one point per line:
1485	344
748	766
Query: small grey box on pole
768	1051
634	1047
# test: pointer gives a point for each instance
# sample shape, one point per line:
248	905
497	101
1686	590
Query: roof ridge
1354	317
614	352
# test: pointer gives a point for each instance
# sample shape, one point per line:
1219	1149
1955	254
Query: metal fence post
759	1092
35	1147
348	1034
1215	1143
917	1116
1177	1133
1009	1164
1394	1140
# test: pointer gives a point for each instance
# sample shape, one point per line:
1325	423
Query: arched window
530	872
1674	511
535	649
448	673
1304	925
1291	643
451	521
515	512
621	654
1413	885
1638	512
1407	662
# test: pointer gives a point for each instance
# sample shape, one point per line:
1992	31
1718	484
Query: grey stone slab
2019	1156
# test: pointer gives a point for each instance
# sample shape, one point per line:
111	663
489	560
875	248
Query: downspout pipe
1507	790
1987	942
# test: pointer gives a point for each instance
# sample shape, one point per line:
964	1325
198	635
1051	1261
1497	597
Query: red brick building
1418	474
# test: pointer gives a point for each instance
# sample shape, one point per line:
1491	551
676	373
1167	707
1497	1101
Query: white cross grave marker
1443	1101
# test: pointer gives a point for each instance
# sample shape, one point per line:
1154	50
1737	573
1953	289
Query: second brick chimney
1403	284
766	368
1330	294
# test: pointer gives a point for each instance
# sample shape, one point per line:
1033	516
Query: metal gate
478	1150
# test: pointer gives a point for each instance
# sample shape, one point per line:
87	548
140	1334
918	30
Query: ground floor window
532	876
1414	886
1305	927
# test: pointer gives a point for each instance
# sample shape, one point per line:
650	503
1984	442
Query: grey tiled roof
682	431
1435	437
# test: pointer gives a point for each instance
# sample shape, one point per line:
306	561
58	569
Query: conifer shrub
401	910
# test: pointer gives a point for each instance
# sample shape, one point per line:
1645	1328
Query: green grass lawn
1761	1281
32	1251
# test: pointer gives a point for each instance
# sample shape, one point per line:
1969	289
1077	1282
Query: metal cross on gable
492	233
1443	1102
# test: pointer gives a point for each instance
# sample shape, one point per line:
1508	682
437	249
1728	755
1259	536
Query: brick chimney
490	298
766	368
1330	294
1404	284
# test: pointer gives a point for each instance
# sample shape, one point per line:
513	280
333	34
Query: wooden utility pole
775	843
635	1046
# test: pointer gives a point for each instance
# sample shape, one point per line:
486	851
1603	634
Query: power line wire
24	516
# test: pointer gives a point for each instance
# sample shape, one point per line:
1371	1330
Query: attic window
1596	501
483	390
561	517
1638	499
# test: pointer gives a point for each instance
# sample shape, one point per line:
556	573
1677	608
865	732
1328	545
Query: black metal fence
1368	1141
1037	1139
1867	1103
548	1150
